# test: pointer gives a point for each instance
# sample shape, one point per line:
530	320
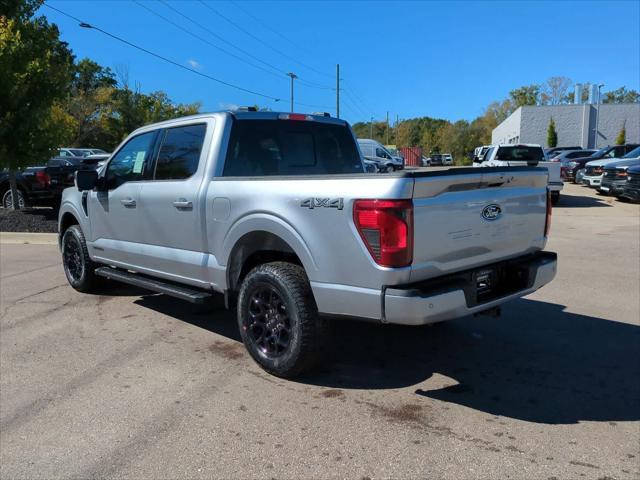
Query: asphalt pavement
132	385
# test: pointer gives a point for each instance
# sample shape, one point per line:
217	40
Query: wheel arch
256	248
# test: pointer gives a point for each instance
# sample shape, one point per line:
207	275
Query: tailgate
473	217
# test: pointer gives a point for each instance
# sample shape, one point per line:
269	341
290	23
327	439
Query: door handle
182	203
128	202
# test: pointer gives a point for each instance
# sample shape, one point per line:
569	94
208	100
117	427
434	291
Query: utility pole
387	128
337	90
293	77
598	114
371	129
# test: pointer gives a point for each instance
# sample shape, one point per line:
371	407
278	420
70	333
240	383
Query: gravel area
40	220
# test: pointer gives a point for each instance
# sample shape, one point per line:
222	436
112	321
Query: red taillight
386	228
43	178
547	222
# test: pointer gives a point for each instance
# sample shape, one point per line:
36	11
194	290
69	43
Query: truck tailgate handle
128	202
182	203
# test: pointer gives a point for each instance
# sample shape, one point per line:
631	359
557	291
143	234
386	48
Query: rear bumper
456	295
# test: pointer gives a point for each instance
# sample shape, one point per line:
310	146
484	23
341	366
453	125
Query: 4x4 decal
315	202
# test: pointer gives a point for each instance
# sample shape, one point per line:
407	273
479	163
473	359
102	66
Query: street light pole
293	77
598	114
337	90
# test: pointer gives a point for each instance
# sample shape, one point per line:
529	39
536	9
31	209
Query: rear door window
286	147
179	154
520	153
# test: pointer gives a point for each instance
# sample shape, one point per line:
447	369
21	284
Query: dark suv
614	178
631	189
613	151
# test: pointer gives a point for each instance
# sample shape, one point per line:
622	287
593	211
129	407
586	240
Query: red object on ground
412	156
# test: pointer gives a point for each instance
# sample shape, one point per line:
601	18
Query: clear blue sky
441	59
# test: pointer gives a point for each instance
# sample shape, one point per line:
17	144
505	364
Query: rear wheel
78	267
555	198
278	319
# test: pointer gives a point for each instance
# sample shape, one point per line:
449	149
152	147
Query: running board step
185	293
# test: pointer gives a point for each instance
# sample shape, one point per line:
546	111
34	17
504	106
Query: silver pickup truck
275	212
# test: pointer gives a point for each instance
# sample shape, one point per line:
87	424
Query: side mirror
86	179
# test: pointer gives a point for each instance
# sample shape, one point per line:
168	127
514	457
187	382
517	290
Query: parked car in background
614	178
594	170
447	159
631	189
397	154
79	152
532	155
71	152
552	152
34	188
426	161
436	159
375	151
479	153
610	152
567	155
508	155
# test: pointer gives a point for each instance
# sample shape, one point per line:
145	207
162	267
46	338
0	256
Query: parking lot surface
132	385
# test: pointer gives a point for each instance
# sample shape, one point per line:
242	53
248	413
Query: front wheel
78	267
7	199
278	319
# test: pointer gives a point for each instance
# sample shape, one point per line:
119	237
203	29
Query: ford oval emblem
492	212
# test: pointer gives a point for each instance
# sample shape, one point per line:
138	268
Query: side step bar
179	291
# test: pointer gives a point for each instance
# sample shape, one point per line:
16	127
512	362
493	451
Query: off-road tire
74	245
307	329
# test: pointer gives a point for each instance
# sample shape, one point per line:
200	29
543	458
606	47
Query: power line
211	32
358	98
150	10
257	39
352	101
282	36
172	62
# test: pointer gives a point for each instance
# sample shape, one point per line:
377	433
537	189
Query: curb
27	238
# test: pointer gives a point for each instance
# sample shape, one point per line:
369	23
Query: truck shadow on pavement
536	363
575	201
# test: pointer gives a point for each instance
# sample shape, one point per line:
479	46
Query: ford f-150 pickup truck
275	211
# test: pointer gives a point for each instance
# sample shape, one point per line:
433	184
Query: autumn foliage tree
35	74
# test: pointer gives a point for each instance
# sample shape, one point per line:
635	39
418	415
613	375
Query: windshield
522	153
600	152
283	147
77	152
633	153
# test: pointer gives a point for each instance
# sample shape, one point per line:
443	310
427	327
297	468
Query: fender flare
269	224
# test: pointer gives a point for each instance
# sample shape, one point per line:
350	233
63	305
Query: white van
376	152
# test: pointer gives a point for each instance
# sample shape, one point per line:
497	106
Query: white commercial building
575	124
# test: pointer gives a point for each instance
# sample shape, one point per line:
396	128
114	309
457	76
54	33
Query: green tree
621	95
526	95
552	134
91	94
35	73
621	139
